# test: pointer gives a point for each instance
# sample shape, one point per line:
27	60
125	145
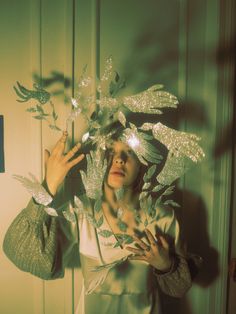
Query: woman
118	277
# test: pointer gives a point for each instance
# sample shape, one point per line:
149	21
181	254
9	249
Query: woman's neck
129	199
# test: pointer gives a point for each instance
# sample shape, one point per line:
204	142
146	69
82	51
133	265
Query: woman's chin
116	184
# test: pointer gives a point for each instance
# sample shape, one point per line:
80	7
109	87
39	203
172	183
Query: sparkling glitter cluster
35	189
178	143
149	100
173	169
93	178
138	141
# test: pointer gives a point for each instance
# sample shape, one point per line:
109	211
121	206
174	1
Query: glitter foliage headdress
183	148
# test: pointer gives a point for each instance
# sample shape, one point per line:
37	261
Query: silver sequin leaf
78	203
172	203
93	178
151	171
124	238
70	216
150	100
51	211
120	213
84	80
142	195
122	118
74	103
138	218
35	189
144	150
146	186
88	216
99	222
158	187
98	205
169	190
108	102
85	137
122	226
108	69
73	116
177	142
119	193
173	169
105	233
149	201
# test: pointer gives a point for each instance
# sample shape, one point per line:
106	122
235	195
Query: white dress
112	283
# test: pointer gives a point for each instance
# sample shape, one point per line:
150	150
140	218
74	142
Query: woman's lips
118	173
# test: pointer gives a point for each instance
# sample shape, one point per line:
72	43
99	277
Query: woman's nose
120	159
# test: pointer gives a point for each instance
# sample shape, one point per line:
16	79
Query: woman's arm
32	242
177	281
35	239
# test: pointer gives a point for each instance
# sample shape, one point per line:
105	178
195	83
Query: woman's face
124	165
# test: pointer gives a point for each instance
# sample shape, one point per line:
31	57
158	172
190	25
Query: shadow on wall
154	59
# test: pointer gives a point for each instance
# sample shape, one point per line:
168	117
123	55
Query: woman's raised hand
57	165
156	254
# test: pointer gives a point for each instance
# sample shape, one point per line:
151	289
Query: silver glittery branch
93	179
138	141
35	189
150	100
178	143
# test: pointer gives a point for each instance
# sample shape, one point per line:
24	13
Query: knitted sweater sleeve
32	242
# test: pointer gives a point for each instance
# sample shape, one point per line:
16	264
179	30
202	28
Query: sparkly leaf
158	187
151	171
149	201
100	222
122	226
70	216
51	211
120	213
35	189
105	233
146	186
118	243
122	118
119	193
169	190
85	137
150	100
172	203
98	205
177	142
145	223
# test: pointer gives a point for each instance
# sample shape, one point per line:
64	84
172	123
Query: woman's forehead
119	145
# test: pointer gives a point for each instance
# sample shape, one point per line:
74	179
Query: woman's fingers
138	257
75	161
143	245
164	243
150	237
60	145
136	251
72	152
